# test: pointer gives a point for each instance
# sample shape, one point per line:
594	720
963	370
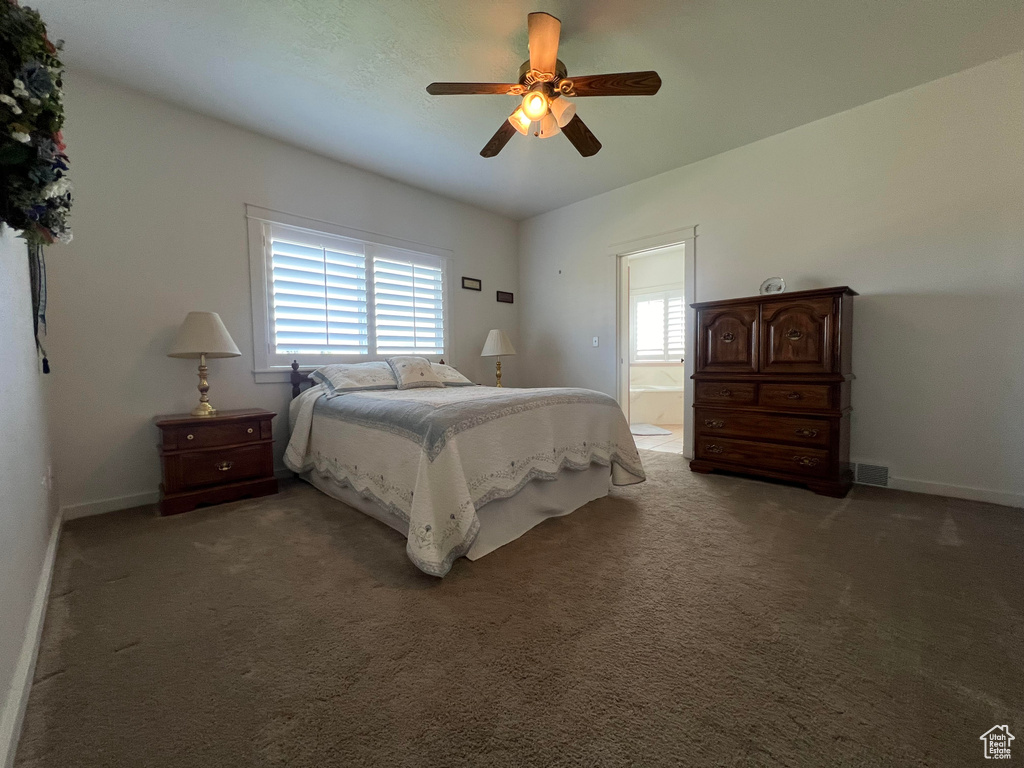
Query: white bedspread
434	456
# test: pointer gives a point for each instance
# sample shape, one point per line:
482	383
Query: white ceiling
346	78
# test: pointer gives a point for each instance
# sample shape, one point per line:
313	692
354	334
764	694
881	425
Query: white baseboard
21	685
102	506
116	503
957	491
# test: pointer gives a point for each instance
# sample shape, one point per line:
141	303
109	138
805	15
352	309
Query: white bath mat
647	429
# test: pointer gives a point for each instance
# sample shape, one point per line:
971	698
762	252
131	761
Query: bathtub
656	394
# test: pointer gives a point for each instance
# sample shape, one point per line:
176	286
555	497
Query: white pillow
450	377
413	372
355	377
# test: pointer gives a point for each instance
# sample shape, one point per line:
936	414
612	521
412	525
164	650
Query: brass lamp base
204	408
497	372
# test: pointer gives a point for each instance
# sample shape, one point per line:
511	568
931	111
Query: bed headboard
300	379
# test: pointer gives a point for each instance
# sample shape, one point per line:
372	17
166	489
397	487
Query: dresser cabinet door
798	336
728	339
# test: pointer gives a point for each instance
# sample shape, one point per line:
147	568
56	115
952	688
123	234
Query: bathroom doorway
657	330
653	320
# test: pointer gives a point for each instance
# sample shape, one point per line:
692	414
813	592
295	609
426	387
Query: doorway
654	295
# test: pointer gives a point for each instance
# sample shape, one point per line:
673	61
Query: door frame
687	236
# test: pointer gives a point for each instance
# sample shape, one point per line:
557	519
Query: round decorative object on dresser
773	285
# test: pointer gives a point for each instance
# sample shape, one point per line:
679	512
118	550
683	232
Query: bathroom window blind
658	326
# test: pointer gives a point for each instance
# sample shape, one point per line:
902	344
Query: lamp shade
203	333
497	344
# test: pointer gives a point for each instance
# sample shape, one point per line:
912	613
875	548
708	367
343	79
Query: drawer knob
794	396
794	334
191	437
714	423
724	392
249	431
807	432
224	466
806	461
728	336
714	448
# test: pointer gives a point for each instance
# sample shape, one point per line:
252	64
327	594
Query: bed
461	471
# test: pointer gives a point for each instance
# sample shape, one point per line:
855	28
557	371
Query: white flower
64	237
34	101
58	188
19	84
8	100
24	138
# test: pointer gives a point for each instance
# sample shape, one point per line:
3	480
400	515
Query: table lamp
203	335
497	344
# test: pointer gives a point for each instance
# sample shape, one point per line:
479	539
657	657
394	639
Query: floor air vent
872	474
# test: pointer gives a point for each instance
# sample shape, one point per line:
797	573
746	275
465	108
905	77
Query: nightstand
215	459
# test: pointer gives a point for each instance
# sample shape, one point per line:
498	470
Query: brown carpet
692	620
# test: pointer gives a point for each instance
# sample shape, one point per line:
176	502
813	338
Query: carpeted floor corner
692	620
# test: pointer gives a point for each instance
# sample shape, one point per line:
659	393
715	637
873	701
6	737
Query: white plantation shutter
658	326
408	305
318	297
675	326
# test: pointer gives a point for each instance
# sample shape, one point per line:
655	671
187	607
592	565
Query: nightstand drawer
217	467
212	434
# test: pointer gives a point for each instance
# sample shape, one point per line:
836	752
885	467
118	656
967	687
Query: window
322	296
657	324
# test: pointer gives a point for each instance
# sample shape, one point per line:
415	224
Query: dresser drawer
212	434
750	455
799	396
723	392
216	467
763	426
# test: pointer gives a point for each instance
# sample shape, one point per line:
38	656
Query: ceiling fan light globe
563	110
548	127
535	105
520	121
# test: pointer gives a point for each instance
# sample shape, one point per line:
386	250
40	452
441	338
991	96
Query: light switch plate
595	341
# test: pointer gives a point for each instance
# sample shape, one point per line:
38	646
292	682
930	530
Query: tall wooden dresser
772	387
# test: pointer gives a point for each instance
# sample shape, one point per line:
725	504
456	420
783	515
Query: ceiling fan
545	88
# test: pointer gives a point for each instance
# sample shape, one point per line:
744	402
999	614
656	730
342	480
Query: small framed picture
472	284
505	297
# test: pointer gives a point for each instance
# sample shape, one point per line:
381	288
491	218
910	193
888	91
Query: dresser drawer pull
806	461
794	396
224	466
794	334
714	448
249	431
714	423
190	437
807	432
724	392
728	336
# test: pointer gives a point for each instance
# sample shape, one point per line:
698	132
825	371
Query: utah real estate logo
997	742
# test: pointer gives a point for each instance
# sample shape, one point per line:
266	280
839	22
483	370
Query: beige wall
160	230
915	200
27	507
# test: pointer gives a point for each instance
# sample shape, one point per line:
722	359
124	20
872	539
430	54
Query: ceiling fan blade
618	84
577	132
455	89
498	140
544	30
